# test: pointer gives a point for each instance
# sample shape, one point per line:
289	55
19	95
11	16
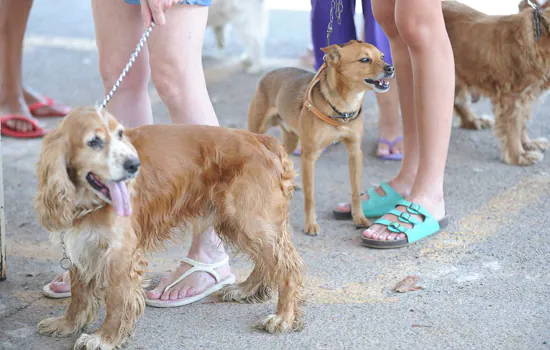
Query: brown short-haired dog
92	173
500	58
320	109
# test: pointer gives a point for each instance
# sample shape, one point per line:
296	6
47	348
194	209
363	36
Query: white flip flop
196	267
48	292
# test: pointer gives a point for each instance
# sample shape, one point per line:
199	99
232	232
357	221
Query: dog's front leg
510	116
309	158
82	309
124	304
355	164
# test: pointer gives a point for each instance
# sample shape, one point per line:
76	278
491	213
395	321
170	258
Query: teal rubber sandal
376	206
420	229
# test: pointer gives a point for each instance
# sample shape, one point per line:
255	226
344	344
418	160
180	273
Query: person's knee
420	32
384	14
172	78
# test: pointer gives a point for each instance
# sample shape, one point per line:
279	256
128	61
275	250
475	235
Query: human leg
14	98
386	195
130	104
13	23
176	66
422	30
389	125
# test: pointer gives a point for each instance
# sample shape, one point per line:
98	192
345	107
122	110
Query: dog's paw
540	144
278	324
483	122
241	294
361	221
312	229
526	159
92	342
57	327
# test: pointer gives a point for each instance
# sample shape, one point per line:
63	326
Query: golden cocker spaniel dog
115	195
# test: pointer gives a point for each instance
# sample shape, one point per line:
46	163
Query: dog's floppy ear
55	200
332	54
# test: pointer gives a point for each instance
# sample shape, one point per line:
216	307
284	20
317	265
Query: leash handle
128	65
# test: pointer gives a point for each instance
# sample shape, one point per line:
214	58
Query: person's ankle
208	256
402	185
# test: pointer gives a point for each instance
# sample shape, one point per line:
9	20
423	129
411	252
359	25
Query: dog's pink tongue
120	199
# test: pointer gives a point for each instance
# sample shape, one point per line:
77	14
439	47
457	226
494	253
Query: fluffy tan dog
320	109
115	195
499	57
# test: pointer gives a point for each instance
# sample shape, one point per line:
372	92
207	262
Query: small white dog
249	19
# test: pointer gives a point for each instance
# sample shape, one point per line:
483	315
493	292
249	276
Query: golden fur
191	177
498	57
279	101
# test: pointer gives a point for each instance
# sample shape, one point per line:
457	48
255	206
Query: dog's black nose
131	165
389	69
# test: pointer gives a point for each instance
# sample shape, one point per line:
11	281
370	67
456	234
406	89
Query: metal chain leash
128	65
339	6
537	19
65	261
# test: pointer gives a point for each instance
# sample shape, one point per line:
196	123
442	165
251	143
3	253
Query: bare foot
17	108
193	284
380	232
61	283
32	97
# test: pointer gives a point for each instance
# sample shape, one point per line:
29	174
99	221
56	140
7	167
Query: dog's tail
283	163
259	119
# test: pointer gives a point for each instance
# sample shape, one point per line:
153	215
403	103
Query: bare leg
389	125
175	51
421	49
131	104
14	98
179	78
404	180
13	23
176	56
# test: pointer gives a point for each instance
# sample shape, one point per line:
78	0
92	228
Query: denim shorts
187	2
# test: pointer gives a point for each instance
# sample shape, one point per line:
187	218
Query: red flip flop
6	130
49	103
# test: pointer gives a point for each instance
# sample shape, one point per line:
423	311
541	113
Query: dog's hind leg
468	119
82	309
277	265
509	127
290	140
260	114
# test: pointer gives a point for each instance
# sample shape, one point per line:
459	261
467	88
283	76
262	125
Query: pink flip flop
49	103
391	145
